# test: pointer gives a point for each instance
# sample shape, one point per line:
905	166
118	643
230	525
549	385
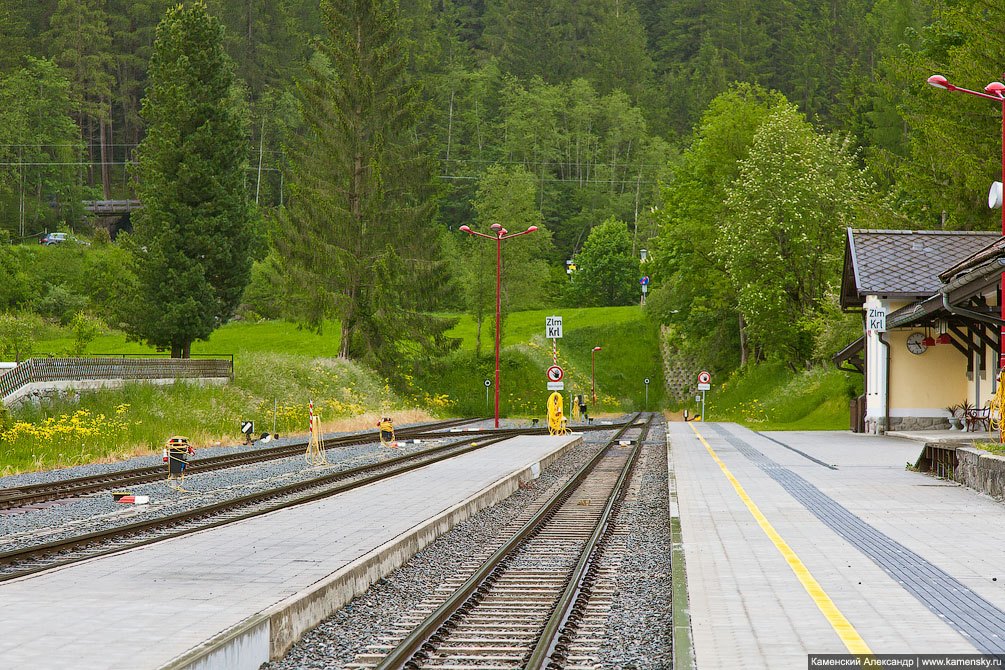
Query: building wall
921	385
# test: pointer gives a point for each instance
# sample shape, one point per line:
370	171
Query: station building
940	293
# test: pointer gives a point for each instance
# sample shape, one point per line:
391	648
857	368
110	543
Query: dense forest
733	140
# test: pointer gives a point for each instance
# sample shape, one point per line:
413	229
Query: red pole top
596	348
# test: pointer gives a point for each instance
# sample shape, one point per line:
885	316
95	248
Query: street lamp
993	91
500	235
594	356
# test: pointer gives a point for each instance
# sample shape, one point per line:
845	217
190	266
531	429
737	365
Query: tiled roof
990	252
908	262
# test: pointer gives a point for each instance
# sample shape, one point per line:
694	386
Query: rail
40	370
401	656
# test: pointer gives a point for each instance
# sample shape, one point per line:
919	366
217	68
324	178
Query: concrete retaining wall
44	393
981	471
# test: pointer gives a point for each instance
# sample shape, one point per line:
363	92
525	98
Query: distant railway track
527	603
44	556
22	496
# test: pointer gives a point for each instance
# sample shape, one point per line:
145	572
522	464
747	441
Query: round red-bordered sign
704	378
555	373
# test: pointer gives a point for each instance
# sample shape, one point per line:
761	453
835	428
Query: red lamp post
594	357
500	235
993	91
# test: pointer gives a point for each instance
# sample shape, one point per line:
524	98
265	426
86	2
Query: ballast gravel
638	632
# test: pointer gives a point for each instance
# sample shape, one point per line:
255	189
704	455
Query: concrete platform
240	595
945	436
910	563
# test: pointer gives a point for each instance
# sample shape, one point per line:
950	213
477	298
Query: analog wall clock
915	344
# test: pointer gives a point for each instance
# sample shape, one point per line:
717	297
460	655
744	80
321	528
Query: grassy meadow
279	367
117	423
629	354
770	396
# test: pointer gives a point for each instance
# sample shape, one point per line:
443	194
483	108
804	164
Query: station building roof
905	264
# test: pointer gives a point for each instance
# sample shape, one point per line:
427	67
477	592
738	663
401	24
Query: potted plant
955	418
965	408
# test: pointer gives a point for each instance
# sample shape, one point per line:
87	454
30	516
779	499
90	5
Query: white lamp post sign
553	331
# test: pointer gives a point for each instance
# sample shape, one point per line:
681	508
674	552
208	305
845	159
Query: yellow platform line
852	640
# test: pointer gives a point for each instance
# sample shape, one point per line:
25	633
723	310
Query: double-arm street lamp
500	235
594	356
993	91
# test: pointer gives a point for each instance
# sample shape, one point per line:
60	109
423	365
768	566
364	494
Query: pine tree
80	43
356	234
195	223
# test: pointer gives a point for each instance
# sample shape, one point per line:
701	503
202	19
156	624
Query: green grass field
234	338
769	396
629	354
521	327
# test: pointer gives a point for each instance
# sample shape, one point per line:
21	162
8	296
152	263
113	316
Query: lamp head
938	81
995	88
995	195
496	227
596	348
465	229
532	229
503	231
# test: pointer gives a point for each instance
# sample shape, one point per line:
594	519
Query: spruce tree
194	228
356	235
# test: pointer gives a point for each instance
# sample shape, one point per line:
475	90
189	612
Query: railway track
21	496
534	602
40	557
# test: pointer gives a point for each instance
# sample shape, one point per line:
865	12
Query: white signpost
647	393
704	384
488	384
553	327
553	331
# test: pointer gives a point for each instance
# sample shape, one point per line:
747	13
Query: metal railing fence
36	370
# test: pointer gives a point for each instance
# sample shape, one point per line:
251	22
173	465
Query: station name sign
875	319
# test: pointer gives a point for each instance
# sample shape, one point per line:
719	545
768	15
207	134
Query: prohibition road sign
704	378
555	374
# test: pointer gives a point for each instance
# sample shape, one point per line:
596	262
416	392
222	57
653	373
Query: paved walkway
142	608
866	555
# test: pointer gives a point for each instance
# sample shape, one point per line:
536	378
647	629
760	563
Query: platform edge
287	621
